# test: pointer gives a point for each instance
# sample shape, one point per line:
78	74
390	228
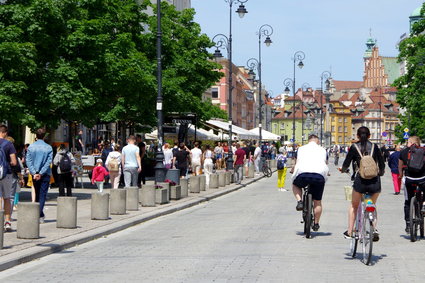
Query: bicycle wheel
269	172
412	218
353	244
308	216
367	239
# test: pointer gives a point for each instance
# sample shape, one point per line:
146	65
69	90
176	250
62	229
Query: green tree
411	86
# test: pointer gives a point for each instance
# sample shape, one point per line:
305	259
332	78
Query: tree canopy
411	86
95	60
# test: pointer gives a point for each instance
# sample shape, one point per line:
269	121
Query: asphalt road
253	235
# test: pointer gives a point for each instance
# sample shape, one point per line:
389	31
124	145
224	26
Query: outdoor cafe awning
237	132
266	135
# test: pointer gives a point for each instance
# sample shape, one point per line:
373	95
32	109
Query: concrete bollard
1	230
228	177
166	186
147	195
66	212
99	206
173	175
28	220
202	182
213	181
132	198
162	195
194	184
175	192
184	184
251	171
118	202
222	179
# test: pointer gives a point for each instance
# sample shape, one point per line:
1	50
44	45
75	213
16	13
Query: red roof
341	85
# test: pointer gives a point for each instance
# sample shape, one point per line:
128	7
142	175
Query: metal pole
159	168
293	93
229	162
260	89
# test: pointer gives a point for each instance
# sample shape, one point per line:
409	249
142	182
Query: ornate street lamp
324	77
226	42
289	82
305	86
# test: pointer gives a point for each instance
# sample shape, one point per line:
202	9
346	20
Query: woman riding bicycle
362	186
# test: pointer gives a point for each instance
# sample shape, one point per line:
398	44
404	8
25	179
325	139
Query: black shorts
316	182
183	170
370	186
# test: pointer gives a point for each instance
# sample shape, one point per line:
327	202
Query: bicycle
265	168
308	211
416	216
363	231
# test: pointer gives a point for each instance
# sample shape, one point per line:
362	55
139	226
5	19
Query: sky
331	33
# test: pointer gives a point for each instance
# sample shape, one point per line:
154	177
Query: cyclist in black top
412	178
361	186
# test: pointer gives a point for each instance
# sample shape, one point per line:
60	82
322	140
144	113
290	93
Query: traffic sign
406	136
406	130
292	140
384	134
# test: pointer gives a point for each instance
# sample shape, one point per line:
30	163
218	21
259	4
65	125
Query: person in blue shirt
39	157
393	164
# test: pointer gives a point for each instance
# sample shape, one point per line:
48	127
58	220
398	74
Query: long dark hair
364	134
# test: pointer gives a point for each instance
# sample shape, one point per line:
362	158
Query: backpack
368	169
415	159
4	165
65	163
113	165
280	163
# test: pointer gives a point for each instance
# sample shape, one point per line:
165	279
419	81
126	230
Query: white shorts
6	187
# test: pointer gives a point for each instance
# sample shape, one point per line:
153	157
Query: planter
175	192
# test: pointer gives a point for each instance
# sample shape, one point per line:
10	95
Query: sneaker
375	236
346	235
316	227
7	226
300	205
423	209
407	230
41	220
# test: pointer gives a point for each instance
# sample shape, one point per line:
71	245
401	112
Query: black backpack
415	159
65	164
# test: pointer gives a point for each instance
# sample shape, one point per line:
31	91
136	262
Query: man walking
39	158
240	157
7	159
131	162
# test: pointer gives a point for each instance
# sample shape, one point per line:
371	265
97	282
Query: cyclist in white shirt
195	156
311	169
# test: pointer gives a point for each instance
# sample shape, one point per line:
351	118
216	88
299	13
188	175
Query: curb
30	254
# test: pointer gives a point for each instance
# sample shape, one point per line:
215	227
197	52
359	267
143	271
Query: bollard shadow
49	221
56	248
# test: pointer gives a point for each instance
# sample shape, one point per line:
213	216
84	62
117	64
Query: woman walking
208	164
281	170
393	164
113	163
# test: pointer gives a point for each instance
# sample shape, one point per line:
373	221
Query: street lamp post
323	77
289	82
226	42
159	167
298	57
265	30
305	86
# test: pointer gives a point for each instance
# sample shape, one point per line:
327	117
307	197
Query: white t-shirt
196	154
168	156
130	153
257	153
311	158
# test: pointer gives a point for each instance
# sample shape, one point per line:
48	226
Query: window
345	129
339	129
282	126
333	129
345	120
214	92
340	120
339	139
333	119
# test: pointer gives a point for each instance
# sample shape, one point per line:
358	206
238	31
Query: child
98	175
281	170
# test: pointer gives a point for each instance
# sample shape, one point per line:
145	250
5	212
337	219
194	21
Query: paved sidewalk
52	239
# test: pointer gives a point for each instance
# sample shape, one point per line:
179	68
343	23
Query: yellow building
338	124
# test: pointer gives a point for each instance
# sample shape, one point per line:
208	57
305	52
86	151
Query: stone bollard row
118	202
184	183
147	195
213	181
175	192
194	184
222	179
251	171
100	206
66	212
228	177
132	198
28	220
202	182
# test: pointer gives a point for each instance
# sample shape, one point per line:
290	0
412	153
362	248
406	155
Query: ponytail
363	133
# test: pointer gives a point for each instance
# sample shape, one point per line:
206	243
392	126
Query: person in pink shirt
98	175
